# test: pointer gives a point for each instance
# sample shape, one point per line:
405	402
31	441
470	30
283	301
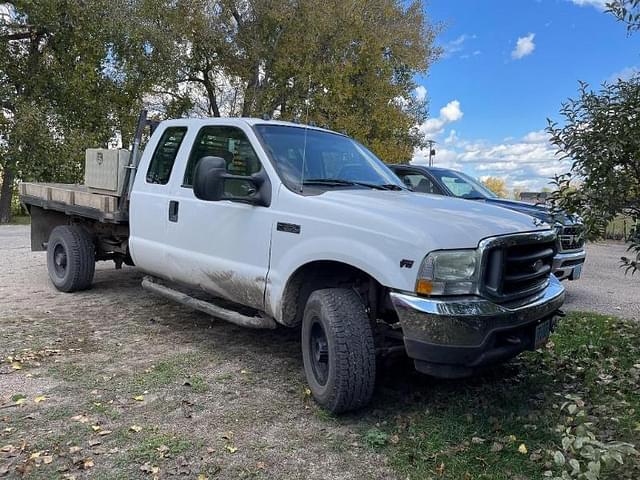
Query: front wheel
71	258
338	350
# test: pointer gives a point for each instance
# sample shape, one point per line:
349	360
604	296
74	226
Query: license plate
577	271
542	333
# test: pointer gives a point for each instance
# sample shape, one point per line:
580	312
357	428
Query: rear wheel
338	350
70	258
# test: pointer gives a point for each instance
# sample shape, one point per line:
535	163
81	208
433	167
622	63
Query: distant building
534	197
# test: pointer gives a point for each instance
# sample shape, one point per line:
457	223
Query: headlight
448	272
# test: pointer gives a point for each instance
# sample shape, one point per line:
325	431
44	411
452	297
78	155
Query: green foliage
601	134
71	76
583	455
626	11
376	438
579	396
347	65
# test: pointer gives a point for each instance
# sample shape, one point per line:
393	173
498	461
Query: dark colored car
567	264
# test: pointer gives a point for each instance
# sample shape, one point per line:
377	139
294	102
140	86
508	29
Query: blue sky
507	66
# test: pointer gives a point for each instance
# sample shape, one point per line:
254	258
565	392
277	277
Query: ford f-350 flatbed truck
285	225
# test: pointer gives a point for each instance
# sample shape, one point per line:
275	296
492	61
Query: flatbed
74	199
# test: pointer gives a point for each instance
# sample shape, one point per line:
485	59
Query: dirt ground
207	397
118	383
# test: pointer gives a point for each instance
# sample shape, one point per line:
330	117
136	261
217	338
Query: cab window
419	183
228	143
165	155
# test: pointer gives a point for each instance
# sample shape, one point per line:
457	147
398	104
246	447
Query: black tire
342	372
71	258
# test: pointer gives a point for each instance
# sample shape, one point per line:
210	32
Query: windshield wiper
340	182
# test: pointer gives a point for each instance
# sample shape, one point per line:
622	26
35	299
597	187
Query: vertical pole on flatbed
133	158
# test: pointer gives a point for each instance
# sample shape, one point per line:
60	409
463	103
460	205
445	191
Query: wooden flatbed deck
73	199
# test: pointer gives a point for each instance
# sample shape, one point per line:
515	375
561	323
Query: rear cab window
164	156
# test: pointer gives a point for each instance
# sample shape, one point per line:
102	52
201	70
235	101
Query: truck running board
153	285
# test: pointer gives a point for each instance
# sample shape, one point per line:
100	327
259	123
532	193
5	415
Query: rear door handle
173	210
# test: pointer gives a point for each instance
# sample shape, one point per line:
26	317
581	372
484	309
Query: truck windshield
462	185
330	160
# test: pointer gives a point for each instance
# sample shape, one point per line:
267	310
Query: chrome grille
571	238
517	266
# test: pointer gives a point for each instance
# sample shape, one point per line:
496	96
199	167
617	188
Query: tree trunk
5	195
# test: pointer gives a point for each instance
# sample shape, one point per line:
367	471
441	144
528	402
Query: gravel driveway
604	288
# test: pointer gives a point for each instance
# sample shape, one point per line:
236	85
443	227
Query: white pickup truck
272	224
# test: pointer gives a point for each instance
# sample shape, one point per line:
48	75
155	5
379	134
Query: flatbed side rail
76	210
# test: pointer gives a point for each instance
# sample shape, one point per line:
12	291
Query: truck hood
434	220
539	211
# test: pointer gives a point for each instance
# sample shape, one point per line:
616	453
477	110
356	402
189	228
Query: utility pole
432	151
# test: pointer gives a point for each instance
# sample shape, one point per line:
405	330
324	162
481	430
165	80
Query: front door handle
173	210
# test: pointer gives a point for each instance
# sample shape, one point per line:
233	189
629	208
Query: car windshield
462	185
330	160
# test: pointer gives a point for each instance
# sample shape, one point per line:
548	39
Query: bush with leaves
583	456
601	134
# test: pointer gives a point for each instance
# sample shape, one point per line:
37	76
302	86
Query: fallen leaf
523	449
20	401
135	428
96	428
47	459
74	449
202	476
39	399
35	455
496	447
16	366
231	448
87	463
477	440
148	468
104	432
80	418
94	442
139	398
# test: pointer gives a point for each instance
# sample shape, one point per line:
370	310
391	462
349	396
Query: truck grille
571	238
518	266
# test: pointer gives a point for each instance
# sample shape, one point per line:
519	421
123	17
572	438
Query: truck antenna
306	128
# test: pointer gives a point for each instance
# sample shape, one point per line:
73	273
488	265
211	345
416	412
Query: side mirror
212	183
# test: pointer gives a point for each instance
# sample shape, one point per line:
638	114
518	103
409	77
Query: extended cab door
150	197
219	246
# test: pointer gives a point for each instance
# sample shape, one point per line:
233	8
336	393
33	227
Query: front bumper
568	265
452	336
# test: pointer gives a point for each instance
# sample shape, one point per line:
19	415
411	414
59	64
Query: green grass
176	368
472	429
153	446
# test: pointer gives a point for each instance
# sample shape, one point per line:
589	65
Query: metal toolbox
104	170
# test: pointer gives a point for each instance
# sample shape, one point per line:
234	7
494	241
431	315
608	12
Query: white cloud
599	4
624	74
524	46
452	137
536	137
456	45
421	93
450	113
527	163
